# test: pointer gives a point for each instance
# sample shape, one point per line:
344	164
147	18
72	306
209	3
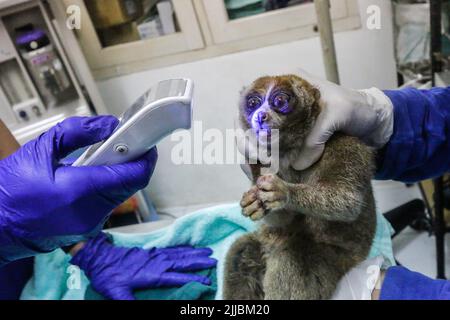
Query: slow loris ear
307	92
317	94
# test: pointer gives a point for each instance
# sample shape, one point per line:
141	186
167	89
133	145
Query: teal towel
217	227
190	291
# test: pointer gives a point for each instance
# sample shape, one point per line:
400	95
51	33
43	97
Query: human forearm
76	248
400	283
419	147
411	128
8	144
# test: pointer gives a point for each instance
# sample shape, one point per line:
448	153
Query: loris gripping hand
269	193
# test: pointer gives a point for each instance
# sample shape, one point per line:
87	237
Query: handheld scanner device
156	114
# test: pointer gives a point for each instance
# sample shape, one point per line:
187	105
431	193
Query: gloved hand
115	272
360	282
366	114
45	204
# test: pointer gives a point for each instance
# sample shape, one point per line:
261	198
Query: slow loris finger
249	210
269	196
266	183
248	197
273	205
258	215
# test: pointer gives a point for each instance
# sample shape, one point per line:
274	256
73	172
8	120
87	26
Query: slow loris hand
270	193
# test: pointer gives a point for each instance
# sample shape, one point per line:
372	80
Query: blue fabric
216	227
403	284
13	278
419	147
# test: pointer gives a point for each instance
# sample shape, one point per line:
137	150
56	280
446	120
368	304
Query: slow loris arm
344	174
327	200
337	193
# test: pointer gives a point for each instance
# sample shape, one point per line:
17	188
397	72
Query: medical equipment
157	113
43	63
44	77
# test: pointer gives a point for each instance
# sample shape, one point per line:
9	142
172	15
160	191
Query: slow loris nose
263	116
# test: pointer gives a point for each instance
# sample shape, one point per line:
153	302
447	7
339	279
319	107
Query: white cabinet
226	28
117	45
113	45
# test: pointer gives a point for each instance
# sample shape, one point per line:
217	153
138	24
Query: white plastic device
161	110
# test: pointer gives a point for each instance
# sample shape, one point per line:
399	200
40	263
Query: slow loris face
287	103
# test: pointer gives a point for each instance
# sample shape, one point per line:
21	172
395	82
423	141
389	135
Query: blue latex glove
45	204
115	272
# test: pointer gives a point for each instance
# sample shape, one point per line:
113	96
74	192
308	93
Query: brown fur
318	223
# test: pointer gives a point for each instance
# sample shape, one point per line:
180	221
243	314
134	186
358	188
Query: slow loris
317	223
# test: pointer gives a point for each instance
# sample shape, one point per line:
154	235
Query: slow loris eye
254	102
280	101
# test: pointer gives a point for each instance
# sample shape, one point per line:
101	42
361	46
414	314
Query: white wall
365	58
